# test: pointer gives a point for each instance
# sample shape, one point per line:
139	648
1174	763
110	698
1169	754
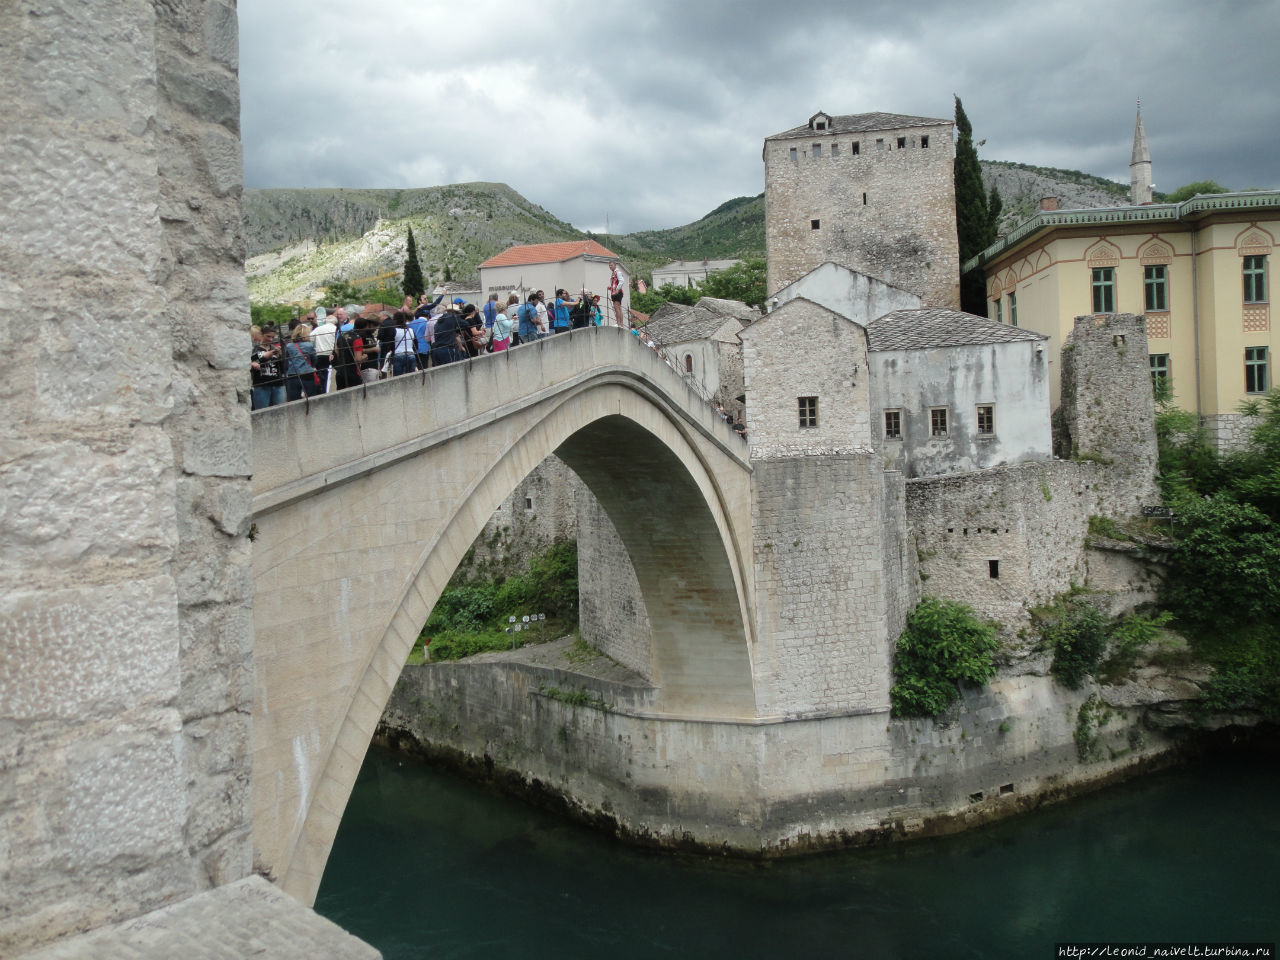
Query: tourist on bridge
266	368
301	379
491	311
404	356
446	342
502	325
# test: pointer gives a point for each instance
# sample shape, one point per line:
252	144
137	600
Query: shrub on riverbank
943	645
472	616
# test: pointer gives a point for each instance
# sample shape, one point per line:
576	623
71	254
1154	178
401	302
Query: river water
426	865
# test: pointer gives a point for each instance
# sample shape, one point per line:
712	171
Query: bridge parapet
304	446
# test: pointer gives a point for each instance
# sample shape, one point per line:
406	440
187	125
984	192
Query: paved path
246	919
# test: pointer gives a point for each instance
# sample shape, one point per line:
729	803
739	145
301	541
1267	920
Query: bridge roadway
365	501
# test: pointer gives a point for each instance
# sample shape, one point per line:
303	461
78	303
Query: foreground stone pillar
125	634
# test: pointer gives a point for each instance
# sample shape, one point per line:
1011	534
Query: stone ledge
248	918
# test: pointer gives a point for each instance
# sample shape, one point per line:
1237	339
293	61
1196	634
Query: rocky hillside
300	240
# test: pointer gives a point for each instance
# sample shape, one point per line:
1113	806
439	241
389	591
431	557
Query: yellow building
1199	271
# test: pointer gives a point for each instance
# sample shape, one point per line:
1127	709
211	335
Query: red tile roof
547	253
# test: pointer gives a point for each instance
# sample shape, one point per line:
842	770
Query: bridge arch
672	478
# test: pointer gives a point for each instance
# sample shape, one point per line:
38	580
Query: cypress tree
412	284
995	206
973	224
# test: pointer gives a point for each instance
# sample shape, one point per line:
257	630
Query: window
993	569
986	420
835	149
902	143
528	503
820	125
999	302
1159	370
879	143
795	154
1013	308
924	143
1155	286
854	148
817	150
938	421
815	224
1104	290
1255	370
893	425
808	411
688	363
1255	279
864	199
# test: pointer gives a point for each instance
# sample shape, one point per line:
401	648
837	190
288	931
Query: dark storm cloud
651	116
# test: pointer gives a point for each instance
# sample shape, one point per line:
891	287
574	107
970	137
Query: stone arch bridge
365	502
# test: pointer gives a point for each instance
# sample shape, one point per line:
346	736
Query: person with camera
617	289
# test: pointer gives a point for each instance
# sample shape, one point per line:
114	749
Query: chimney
1048	204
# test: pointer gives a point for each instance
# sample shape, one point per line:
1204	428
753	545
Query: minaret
1140	165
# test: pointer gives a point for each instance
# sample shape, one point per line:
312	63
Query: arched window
688	363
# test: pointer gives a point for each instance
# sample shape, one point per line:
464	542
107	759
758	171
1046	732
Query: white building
847	292
576	266
702	340
952	392
688	273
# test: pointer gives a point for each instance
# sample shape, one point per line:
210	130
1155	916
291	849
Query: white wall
850	294
1011	376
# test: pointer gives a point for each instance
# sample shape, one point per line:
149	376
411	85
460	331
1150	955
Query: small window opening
993	569
879	143
1118	341
986	420
975	797
902	143
924	143
528	503
855	148
815	224
688	363
817	150
938	421
864	199
893	425
808	411
820	125
1006	788
835	149
795	154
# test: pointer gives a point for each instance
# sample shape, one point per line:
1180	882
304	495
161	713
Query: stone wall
1107	408
800	350
126	684
776	786
612	615
541	510
886	212
821	585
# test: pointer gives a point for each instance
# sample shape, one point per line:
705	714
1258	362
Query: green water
429	866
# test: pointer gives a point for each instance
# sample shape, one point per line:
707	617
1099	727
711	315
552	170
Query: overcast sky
653	112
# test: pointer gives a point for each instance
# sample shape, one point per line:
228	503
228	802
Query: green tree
995	207
744	281
973	222
1191	189
412	284
943	645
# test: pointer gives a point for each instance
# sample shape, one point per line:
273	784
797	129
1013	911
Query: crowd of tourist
327	351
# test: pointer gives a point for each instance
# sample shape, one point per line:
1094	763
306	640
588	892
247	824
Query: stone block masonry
887	211
1107	407
125	684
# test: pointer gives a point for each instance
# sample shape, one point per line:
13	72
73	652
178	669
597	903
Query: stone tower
1140	165
873	192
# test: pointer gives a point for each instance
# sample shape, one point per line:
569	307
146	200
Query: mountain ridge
300	239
